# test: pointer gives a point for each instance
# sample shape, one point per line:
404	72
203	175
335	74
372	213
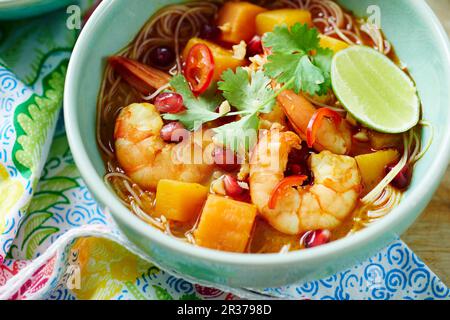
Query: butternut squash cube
223	58
225	224
180	201
372	166
266	21
237	21
332	43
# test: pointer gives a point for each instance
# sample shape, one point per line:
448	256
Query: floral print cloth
56	242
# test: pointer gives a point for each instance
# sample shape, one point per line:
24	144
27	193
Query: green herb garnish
247	94
250	95
297	60
200	110
239	136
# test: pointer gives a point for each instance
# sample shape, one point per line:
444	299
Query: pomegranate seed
226	159
232	186
315	238
173	132
294	170
254	46
162	56
403	179
169	102
210	32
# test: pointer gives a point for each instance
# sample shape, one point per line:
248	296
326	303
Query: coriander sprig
250	95
297	60
200	109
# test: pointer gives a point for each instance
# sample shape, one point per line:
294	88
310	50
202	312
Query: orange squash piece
180	201
237	20
223	58
266	21
372	166
332	43
225	224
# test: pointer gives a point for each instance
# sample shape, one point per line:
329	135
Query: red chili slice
199	68
282	186
316	122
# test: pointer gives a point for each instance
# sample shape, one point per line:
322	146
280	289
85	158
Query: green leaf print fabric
57	242
32	93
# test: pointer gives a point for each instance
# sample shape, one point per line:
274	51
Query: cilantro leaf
297	60
297	71
300	38
200	110
250	95
246	94
283	67
309	77
194	118
323	59
239	136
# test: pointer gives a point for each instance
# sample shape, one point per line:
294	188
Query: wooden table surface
429	237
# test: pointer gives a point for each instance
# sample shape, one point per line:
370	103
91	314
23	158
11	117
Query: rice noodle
285	249
157	92
369	213
379	189
429	142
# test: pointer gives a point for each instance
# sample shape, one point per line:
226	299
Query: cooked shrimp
146	158
325	205
337	139
276	116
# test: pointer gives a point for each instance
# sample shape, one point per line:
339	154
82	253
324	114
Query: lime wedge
374	90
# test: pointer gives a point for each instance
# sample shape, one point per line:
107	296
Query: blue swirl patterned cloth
57	243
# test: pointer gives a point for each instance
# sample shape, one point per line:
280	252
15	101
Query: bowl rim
336	248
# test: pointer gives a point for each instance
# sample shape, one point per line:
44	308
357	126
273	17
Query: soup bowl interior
420	43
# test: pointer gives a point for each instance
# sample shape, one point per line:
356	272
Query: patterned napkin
56	242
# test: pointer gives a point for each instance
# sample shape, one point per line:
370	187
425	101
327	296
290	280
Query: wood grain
429	237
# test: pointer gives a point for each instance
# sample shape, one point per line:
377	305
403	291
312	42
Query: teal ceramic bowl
19	9
420	42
